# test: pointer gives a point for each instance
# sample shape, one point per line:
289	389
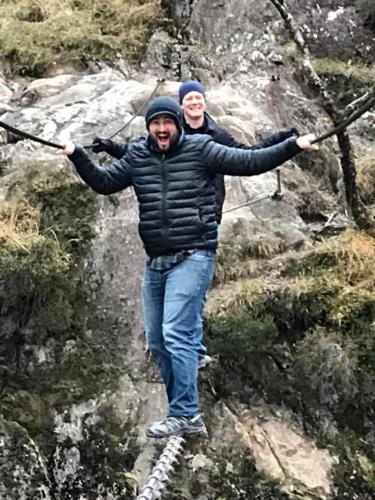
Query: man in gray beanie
173	179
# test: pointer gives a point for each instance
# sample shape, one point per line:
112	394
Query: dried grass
335	67
345	260
36	34
19	225
355	256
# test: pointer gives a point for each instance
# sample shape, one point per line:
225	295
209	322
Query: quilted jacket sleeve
103	180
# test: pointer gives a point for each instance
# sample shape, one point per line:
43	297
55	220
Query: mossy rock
46	361
31	412
230	474
366	178
107	451
245	481
325	166
368	8
306	339
345	79
240	242
81	374
354	473
23	471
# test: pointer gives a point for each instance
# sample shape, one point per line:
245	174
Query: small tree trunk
349	175
312	79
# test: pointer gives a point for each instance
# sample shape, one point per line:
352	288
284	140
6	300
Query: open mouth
163	140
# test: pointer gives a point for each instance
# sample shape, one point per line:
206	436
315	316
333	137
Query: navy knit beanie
190	86
164	105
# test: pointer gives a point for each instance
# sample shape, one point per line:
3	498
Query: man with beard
173	179
196	120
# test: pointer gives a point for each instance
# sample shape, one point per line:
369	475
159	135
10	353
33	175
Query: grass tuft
19	224
335	67
36	34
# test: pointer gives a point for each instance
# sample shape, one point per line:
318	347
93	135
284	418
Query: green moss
36	266
81	373
328	362
331	67
367	470
49	271
345	79
239	245
44	301
67	208
366	177
244	482
30	411
72	31
354	472
238	335
306	341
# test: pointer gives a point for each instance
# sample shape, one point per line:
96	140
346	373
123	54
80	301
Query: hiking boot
203	361
177	426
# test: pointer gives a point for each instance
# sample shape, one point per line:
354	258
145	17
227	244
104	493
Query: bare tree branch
314	82
310	75
360	110
357	103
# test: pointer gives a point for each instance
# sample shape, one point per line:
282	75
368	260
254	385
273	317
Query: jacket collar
208	125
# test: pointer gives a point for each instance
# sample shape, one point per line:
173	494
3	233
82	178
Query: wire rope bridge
161	473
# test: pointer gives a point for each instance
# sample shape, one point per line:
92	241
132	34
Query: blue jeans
201	348
173	301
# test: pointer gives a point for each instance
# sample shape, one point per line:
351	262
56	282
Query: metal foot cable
160	475
277	195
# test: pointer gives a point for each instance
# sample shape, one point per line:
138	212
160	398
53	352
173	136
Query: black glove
101	145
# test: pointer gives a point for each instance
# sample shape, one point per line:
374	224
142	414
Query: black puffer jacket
219	135
176	189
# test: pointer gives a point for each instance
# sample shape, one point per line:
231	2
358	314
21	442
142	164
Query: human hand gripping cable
307	142
67	150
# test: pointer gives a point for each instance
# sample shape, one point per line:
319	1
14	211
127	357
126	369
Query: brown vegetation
19	224
37	34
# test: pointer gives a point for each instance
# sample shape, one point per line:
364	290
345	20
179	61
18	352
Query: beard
166	142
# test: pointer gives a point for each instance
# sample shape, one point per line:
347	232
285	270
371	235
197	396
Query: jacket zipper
163	201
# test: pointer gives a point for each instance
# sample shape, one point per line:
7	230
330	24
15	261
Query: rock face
283	453
77	390
23	471
246	32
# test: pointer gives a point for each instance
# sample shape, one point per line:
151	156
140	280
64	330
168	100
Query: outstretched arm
222	136
230	161
108	180
275	138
